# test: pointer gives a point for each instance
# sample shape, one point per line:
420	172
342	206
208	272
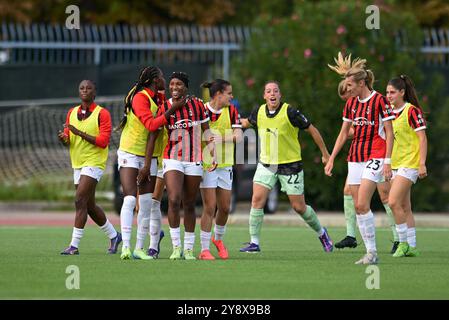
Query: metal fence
120	44
126	44
29	147
436	47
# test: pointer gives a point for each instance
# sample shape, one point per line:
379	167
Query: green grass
50	188
292	265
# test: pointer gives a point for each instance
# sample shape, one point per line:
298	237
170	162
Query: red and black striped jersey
214	115
415	117
184	130
367	117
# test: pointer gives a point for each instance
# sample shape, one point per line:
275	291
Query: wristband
387	161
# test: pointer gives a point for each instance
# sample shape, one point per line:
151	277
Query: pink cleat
222	251
206	255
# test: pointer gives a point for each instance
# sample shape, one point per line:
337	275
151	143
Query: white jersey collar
367	99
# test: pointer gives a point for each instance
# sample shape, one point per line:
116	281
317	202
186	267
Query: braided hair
184	77
146	79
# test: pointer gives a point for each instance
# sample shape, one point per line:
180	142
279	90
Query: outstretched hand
328	168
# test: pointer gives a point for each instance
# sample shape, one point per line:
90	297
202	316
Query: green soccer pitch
292	265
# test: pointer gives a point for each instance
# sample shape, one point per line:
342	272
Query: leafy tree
296	50
430	13
120	11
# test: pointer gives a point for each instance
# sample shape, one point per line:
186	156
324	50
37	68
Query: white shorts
160	173
220	177
93	172
408	173
129	160
371	170
188	168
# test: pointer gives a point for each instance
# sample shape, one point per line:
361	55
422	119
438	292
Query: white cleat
369	258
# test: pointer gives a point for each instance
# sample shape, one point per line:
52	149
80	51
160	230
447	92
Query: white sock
108	228
402	232
175	234
361	226
155	224
77	234
366	222
126	219
321	232
143	219
205	240
255	240
219	232
411	237
189	240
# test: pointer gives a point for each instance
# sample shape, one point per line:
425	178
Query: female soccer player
370	153
139	120
280	159
408	160
383	189
216	187
87	132
182	164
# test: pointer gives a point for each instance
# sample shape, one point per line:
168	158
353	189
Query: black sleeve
253	116
297	118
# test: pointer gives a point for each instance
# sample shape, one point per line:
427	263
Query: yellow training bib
406	142
278	137
83	153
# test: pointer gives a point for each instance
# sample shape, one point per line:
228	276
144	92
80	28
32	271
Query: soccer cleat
69	251
161	235
206	255
402	250
412	252
326	241
153	252
369	258
177	254
140	254
188	254
115	243
222	250
126	254
395	247
251	247
347	242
